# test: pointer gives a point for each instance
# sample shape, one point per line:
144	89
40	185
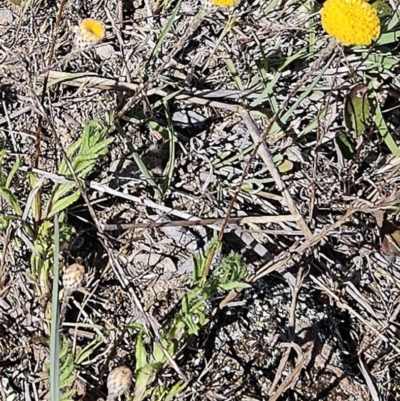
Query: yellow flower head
351	22
223	3
90	33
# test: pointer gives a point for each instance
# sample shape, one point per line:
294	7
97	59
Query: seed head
89	33
73	277
118	381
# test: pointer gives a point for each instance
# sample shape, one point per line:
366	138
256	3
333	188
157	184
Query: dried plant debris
217	184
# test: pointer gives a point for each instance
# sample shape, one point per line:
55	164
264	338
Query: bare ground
320	321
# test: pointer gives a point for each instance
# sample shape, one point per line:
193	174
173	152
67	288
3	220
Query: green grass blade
232	69
389	37
164	34
383	128
54	334
159	128
10	198
147	175
13	171
88	350
268	93
64	203
171	162
395	21
285	118
139	162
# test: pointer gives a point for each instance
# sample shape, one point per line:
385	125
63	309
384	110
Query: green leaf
164	33
141	355
232	69
233	285
383	62
346	145
288	114
88	350
67	376
356	109
158	127
394	21
285	166
5	219
383	128
171	161
13	171
175	390
158	354
389	37
83	154
10	198
149	178
67	396
382	8
54	332
63	203
268	94
143	377
61	190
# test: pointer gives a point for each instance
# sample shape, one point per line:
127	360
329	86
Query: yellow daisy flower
351	22
224	3
89	33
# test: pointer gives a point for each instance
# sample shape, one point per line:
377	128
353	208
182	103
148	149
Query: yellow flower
90	33
223	3
351	22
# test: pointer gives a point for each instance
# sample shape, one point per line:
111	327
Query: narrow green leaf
346	145
68	395
233	285
88	350
10	198
175	390
158	354
382	8
356	109
140	354
285	118
63	203
54	333
143	377
61	190
383	62
164	33
395	20
389	37
383	128
13	171
158	127
147	175
267	93
67	376
234	73
171	161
